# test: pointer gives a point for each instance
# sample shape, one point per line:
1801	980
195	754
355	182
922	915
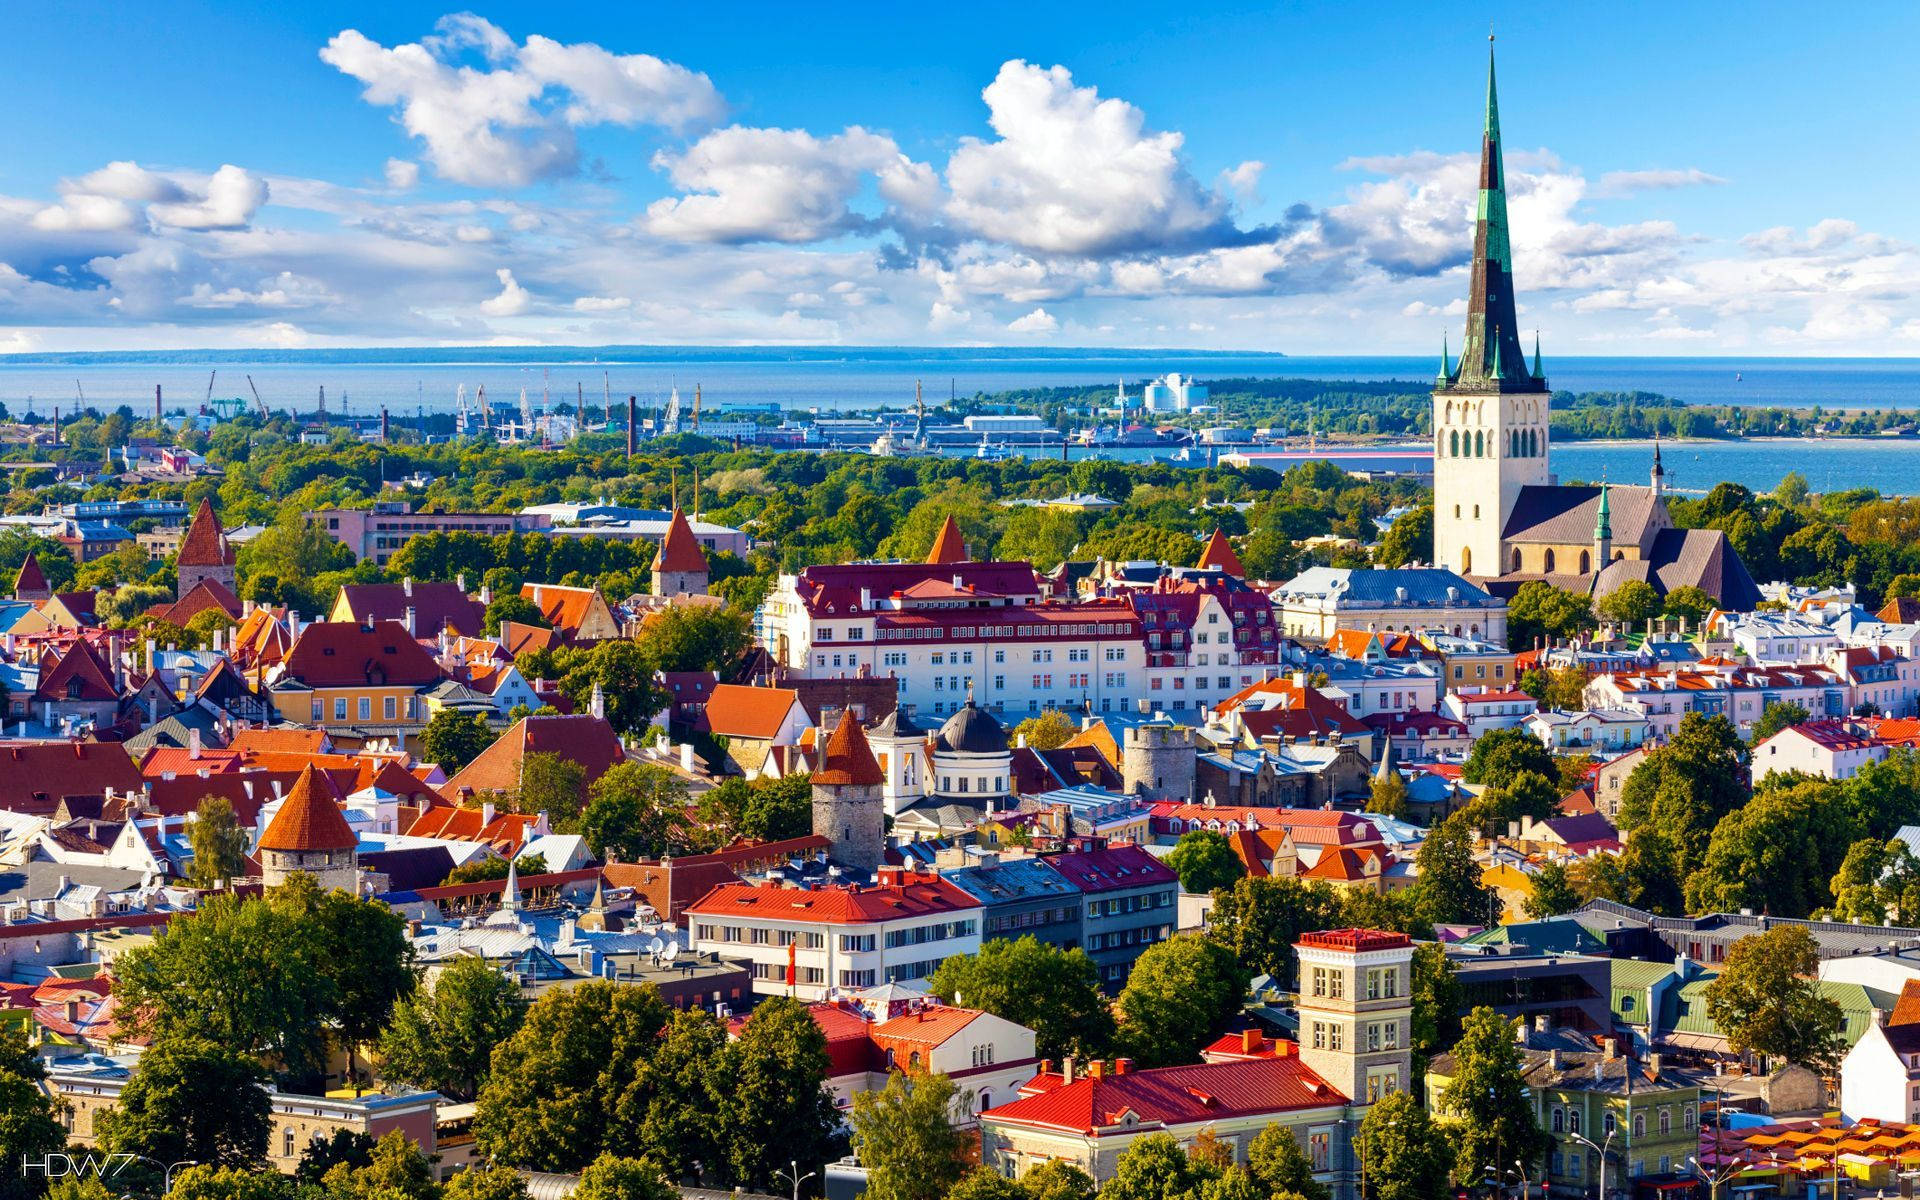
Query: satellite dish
657	946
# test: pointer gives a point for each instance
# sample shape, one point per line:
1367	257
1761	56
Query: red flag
793	973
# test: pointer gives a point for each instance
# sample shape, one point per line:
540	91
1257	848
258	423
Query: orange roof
949	546
308	820
207	595
279	741
930	1026
738	710
680	550
31	578
206	542
517	638
1342	863
848	760
563	607
1906	1010
1219	553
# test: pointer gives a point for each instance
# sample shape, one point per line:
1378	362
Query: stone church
1500	515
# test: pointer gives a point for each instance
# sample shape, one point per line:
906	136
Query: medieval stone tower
848	805
1157	762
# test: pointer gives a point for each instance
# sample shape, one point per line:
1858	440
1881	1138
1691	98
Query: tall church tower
1489	409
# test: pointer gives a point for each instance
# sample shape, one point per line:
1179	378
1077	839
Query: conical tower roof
308	820
206	542
1219	553
847	759
949	547
680	551
31	578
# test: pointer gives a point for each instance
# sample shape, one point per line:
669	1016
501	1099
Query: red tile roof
931	1026
308	820
1906	1010
517	638
680	550
564	608
209	595
1170	1096
583	739
949	546
1219	553
507	831
1341	864
345	654
35	775
206	542
80	663
917	896
279	741
31	578
848	760
737	710
1111	869
435	605
1357	940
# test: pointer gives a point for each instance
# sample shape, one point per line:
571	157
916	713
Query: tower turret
847	801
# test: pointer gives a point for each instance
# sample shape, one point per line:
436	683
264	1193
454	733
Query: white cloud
229	200
1243	181
1037	321
402	174
1626	183
286	336
513	122
602	304
124	180
781	185
80	213
1074	174
512	300
473	233
944	317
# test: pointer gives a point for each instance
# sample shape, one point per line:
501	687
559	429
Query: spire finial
1538	373
1446	367
1496	372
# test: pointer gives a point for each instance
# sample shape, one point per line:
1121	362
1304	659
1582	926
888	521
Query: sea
830	379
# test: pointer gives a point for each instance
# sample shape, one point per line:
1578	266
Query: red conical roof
308	820
206	542
31	578
848	759
949	547
1219	553
680	551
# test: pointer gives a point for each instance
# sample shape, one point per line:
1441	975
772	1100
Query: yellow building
355	680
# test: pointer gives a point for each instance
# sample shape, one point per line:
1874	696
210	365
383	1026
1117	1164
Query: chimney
1097	1069
486	813
1612	1048
1542	1022
686	756
406	586
1046	1066
1122	1065
72	1010
413	616
1066	1069
193	743
460	581
1553	1059
1250	1041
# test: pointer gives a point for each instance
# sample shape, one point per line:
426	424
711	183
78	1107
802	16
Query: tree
680	1131
779	1110
777	809
1635	601
636	810
568	1084
1387	796
1279	1163
1778	853
1683	789
1526	794
1877	882
985	1183
487	868
443	1038
904	1136
611	1177
1541	612
190	1099
208	1182
29	1128
1501	754
1049	729
1562	688
1056	1179
1490	1115
1403	1156
512	606
1777	715
1437	999
1260	918
1205	862
1408	540
454	738
1451	892
219	843
1552	894
624	673
684	637
1690	604
1155	1167
321	1155
551	784
1053	991
486	1183
396	1170
363	952
1178	997
1767	1000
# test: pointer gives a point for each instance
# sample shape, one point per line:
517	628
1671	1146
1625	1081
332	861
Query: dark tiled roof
1565	516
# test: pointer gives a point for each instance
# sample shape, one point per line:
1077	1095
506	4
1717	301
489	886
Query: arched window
1453	444
1479	444
1466	560
1516	559
1546	563
1586	562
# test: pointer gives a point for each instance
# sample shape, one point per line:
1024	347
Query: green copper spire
1538	373
1446	366
1603	523
1491	358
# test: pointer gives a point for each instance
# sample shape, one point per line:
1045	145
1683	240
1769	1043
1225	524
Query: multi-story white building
1483	710
1320	600
1718	687
951	630
1207	636
1828	749
1602	731
812	942
1776	637
1382	686
1175	393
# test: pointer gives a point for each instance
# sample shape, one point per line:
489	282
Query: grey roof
1835	938
40	880
973	730
898	723
1678	558
1375	586
1012	881
177	731
1565	516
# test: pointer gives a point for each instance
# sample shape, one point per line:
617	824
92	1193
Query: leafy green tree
486	1183
1056	1179
219	843
1489	1115
209	1182
1403	1155
1777	715
29	1128
443	1038
1156	1167
636	810
1438	999
1280	1165
1778	853
396	1170
1450	888
1682	789
1767	1000
512	606
904	1136
1877	882
1632	603
689	638
1050	729
1408	540
1501	754
1179	996
454	738
1053	991
1690	603
680	1129
777	809
1883	796
985	1183
611	1177
1260	918
1541	612
190	1099
1387	796
1552	894
624	673
487	868
363	952
551	784
1526	794
1562	688
779	1110
1205	862
321	1155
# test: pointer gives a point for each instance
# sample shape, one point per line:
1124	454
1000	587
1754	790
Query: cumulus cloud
512	300
402	174
1071	173
81	213
782	185
1037	321
231	197
512	120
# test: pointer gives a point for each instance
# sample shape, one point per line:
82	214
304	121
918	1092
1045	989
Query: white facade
1837	756
1878	1081
1477	477
1606	730
1484	711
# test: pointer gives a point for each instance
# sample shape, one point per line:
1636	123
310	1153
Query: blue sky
1687	179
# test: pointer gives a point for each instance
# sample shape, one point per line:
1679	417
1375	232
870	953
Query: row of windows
1030	919
937	932
1121	939
1116	905
390	708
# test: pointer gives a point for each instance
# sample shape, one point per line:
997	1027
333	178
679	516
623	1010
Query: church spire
1603	520
1491	359
1446	364
1538	372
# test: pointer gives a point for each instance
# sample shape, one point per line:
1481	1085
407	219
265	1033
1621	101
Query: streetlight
1715	1177
795	1176
1602	1150
1526	1185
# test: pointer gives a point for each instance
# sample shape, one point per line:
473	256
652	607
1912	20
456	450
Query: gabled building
359	682
425	608
583	739
1129	897
308	835
205	553
581	615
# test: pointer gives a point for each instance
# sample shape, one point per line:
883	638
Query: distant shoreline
576	356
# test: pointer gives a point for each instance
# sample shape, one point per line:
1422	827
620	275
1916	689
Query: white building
1320	600
1175	393
1776	637
1880	1076
1483	711
1606	731
1828	749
